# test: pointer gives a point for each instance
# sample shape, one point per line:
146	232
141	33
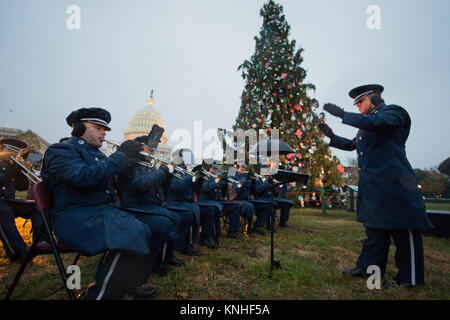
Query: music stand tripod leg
273	263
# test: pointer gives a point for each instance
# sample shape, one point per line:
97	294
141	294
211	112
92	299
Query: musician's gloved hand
165	169
131	148
334	110
224	176
326	130
223	183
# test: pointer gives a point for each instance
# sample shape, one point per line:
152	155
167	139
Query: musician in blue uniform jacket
180	199
268	191
141	190
79	176
260	208
389	201
284	204
218	191
12	179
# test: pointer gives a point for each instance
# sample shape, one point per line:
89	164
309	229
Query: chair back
43	200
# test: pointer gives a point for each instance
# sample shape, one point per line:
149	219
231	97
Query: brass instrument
115	145
218	177
31	174
237	182
175	170
262	177
210	176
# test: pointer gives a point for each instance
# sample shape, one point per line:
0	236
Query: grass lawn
312	252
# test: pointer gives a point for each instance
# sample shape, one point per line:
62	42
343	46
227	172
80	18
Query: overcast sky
188	51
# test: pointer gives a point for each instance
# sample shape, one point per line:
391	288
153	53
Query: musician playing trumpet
142	190
268	189
12	179
218	191
79	177
260	208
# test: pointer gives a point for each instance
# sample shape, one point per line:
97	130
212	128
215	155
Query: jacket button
360	138
361	153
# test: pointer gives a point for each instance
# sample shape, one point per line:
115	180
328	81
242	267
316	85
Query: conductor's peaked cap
95	115
360	92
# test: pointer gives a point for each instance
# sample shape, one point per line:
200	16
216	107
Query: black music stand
269	148
282	176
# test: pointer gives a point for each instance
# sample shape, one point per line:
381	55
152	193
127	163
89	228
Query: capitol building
141	124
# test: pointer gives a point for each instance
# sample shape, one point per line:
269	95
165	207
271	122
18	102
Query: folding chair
44	203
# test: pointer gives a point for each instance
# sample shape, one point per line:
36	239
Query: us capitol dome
142	123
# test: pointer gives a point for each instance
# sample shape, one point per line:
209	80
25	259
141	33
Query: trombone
18	159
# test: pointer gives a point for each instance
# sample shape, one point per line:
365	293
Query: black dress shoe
208	243
284	225
259	230
22	255
162	269
191	251
396	284
141	293
233	235
175	262
355	272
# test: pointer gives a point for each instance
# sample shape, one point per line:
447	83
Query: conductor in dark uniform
79	177
389	201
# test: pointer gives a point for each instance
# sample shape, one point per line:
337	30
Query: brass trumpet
262	177
218	177
177	171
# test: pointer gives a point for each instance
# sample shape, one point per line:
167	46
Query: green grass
312	252
437	206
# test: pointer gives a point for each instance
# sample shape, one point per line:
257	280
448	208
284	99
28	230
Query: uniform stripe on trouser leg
108	276
163	255
413	258
5	239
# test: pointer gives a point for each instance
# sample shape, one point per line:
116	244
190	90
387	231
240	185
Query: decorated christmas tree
276	97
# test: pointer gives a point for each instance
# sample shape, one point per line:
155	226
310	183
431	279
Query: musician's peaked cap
210	162
142	139
14	142
95	115
360	92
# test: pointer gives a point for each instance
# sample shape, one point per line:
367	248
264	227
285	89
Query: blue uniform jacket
180	196
11	179
388	196
210	195
264	191
212	191
78	177
244	192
